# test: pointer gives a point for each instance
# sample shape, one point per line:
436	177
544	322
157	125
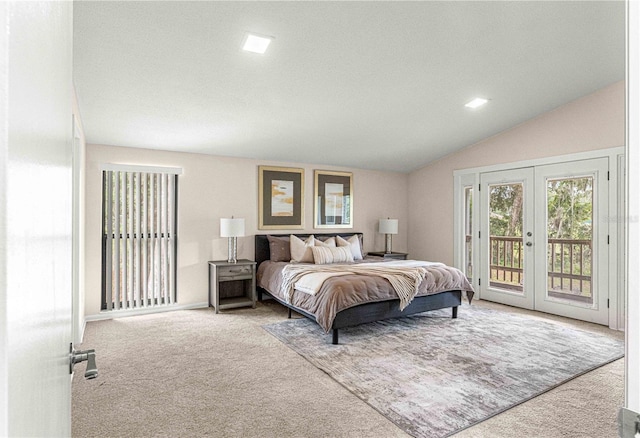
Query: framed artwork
280	198
333	199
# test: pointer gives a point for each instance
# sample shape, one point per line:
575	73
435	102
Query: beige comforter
344	291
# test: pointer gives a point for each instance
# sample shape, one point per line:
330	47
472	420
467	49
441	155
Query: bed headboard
262	243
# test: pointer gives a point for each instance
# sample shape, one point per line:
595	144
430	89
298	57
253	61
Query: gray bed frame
363	313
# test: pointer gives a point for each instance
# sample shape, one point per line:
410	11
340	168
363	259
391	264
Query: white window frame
459	183
165	225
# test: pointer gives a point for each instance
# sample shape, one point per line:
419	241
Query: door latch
76	356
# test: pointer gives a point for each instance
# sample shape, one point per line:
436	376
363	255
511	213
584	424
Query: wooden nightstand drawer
230	273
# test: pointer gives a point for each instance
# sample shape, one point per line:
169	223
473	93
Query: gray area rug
434	376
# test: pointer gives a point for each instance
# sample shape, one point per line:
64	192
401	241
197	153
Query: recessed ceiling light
256	43
475	103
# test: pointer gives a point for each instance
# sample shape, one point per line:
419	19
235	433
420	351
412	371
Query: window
139	237
468	232
465	223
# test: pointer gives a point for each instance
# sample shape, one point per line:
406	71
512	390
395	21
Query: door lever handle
76	356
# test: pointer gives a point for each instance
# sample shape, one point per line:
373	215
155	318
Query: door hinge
607	239
607	303
478	282
478	234
608	175
478	187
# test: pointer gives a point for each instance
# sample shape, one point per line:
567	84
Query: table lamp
388	227
232	228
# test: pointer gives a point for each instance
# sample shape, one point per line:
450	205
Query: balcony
568	266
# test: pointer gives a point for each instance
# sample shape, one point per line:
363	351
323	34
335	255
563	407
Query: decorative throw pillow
279	249
301	250
331	242
353	243
323	255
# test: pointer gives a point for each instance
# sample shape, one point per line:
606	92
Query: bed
349	299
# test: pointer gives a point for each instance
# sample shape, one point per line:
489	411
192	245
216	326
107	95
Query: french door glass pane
569	237
468	231
506	254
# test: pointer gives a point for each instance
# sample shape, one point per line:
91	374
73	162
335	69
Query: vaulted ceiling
374	85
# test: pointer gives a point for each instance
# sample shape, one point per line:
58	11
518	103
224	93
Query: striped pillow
324	255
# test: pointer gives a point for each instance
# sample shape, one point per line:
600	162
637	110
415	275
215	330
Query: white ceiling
374	85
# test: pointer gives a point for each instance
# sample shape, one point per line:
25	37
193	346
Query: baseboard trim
113	314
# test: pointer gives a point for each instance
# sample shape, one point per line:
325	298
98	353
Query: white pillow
323	255
301	250
331	241
354	243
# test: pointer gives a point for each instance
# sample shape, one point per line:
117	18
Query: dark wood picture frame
333	199
280	198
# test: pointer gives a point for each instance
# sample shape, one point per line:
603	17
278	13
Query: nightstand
232	285
391	255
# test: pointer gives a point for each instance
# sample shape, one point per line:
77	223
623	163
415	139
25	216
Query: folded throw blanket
311	283
405	276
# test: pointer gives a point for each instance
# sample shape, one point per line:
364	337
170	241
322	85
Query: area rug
434	376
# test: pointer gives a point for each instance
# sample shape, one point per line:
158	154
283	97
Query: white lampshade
233	227
388	226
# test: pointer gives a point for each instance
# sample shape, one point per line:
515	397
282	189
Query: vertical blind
139	239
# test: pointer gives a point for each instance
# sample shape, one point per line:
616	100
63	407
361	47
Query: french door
506	237
544	236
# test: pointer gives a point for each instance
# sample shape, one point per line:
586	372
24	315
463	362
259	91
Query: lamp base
387	243
233	250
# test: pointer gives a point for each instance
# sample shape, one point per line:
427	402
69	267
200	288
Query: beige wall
592	122
212	187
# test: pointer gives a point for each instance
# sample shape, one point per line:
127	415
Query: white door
35	218
544	238
506	250
571	240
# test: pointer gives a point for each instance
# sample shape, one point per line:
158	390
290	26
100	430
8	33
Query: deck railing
506	262
569	269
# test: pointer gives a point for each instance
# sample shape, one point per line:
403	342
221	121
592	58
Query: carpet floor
433	375
196	373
